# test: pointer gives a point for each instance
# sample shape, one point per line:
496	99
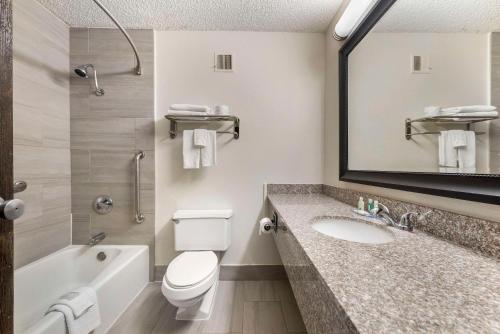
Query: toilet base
202	310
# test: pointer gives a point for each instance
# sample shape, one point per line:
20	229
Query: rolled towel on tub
80	310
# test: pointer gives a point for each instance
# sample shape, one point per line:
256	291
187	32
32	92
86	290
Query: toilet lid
190	268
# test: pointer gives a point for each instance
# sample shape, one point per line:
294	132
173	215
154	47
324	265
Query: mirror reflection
424	86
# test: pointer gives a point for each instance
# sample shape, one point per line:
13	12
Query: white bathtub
117	281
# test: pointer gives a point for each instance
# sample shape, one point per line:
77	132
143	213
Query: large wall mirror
419	91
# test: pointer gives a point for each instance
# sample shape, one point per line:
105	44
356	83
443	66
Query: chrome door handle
11	209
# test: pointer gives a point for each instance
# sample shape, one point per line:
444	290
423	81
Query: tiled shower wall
41	131
495	100
107	131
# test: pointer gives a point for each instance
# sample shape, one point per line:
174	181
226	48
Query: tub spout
97	239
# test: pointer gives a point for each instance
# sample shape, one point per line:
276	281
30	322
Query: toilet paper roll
265	226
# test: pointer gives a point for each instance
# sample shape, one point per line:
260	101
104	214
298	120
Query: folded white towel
190	153
209	152
79	318
477	110
467	154
200	138
469	109
191	107
476	114
186	113
431	111
222	110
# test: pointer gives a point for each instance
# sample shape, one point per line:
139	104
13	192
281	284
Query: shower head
82	71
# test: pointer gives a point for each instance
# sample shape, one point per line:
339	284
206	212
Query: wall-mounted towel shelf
204	118
443	119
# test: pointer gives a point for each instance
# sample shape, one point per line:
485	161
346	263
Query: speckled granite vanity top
417	283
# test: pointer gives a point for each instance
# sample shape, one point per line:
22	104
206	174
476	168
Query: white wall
383	93
331	171
277	89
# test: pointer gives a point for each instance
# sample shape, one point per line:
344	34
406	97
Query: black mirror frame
473	187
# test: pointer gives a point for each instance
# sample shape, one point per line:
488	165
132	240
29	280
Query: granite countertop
417	283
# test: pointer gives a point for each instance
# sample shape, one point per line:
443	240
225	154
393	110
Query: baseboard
160	272
240	273
252	273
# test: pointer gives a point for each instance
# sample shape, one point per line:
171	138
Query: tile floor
248	307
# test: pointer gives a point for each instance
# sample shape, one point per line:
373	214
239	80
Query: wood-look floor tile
259	291
167	324
150	313
238	303
220	320
143	314
291	313
263	318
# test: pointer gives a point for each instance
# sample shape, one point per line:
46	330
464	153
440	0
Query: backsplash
478	234
107	131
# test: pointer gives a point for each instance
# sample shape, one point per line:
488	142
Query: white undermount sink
351	229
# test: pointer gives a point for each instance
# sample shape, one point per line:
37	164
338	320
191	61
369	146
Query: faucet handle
382	208
405	221
421	216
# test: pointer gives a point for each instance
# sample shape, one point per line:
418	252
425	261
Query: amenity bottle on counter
370	205
361	204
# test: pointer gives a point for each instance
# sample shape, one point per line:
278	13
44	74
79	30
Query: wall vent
223	62
420	64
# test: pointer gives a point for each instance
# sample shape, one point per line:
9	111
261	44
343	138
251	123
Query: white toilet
191	280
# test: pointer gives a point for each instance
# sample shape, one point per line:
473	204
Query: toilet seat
190	268
178	288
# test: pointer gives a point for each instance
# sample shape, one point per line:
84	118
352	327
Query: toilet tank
202	229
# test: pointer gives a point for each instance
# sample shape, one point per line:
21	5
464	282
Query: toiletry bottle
375	208
361	204
370	205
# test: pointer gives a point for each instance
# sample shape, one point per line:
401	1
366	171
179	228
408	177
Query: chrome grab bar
139	217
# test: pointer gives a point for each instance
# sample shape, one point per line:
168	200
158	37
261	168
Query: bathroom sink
351	229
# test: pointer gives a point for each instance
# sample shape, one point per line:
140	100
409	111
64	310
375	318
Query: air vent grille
224	62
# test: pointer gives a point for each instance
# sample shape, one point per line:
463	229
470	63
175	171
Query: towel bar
174	120
444	119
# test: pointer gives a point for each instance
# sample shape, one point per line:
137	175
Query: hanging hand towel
209	152
201	138
448	155
467	154
457	138
190	153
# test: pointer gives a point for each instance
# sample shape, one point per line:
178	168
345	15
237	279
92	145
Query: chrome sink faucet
97	239
405	221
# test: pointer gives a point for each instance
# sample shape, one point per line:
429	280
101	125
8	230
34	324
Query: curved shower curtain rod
138	68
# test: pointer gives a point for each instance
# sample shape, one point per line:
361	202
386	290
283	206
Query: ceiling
244	15
442	16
